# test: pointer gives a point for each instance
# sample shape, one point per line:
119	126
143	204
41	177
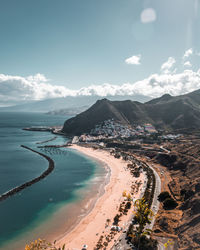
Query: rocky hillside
183	163
166	112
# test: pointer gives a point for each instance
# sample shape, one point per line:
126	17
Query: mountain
162	99
177	112
70	102
166	112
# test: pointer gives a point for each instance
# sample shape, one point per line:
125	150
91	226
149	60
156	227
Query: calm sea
25	211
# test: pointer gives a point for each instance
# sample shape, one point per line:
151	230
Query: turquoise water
24	210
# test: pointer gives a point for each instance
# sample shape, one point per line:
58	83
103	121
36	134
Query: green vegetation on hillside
139	231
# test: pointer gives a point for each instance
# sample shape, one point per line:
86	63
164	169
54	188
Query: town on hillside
111	129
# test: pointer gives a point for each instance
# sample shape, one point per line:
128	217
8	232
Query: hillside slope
183	164
166	112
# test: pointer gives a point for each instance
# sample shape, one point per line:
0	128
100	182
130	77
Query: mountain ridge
166	112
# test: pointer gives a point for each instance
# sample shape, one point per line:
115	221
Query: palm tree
143	216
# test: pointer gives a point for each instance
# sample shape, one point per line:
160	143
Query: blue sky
79	43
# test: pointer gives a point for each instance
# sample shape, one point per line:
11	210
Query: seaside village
111	129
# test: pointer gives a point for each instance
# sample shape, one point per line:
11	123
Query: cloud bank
37	87
16	88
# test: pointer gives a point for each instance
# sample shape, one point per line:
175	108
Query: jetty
57	130
52	139
33	181
68	144
42	129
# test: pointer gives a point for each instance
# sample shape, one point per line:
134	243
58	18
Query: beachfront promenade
121	243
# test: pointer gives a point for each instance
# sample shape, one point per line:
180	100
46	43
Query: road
155	203
122	244
164	149
155	208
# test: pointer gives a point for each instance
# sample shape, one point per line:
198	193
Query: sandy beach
94	225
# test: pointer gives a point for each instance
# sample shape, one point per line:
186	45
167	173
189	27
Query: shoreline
84	222
106	205
91	200
67	215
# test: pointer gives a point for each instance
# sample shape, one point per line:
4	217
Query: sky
55	48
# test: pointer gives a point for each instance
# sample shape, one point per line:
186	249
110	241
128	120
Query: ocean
38	210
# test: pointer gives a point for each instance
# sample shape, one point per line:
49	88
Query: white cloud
187	64
37	87
174	84
168	65
148	15
154	86
17	88
188	53
133	60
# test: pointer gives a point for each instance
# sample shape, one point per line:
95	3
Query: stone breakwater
52	139
33	181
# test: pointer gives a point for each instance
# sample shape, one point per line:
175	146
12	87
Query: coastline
84	222
50	224
105	206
